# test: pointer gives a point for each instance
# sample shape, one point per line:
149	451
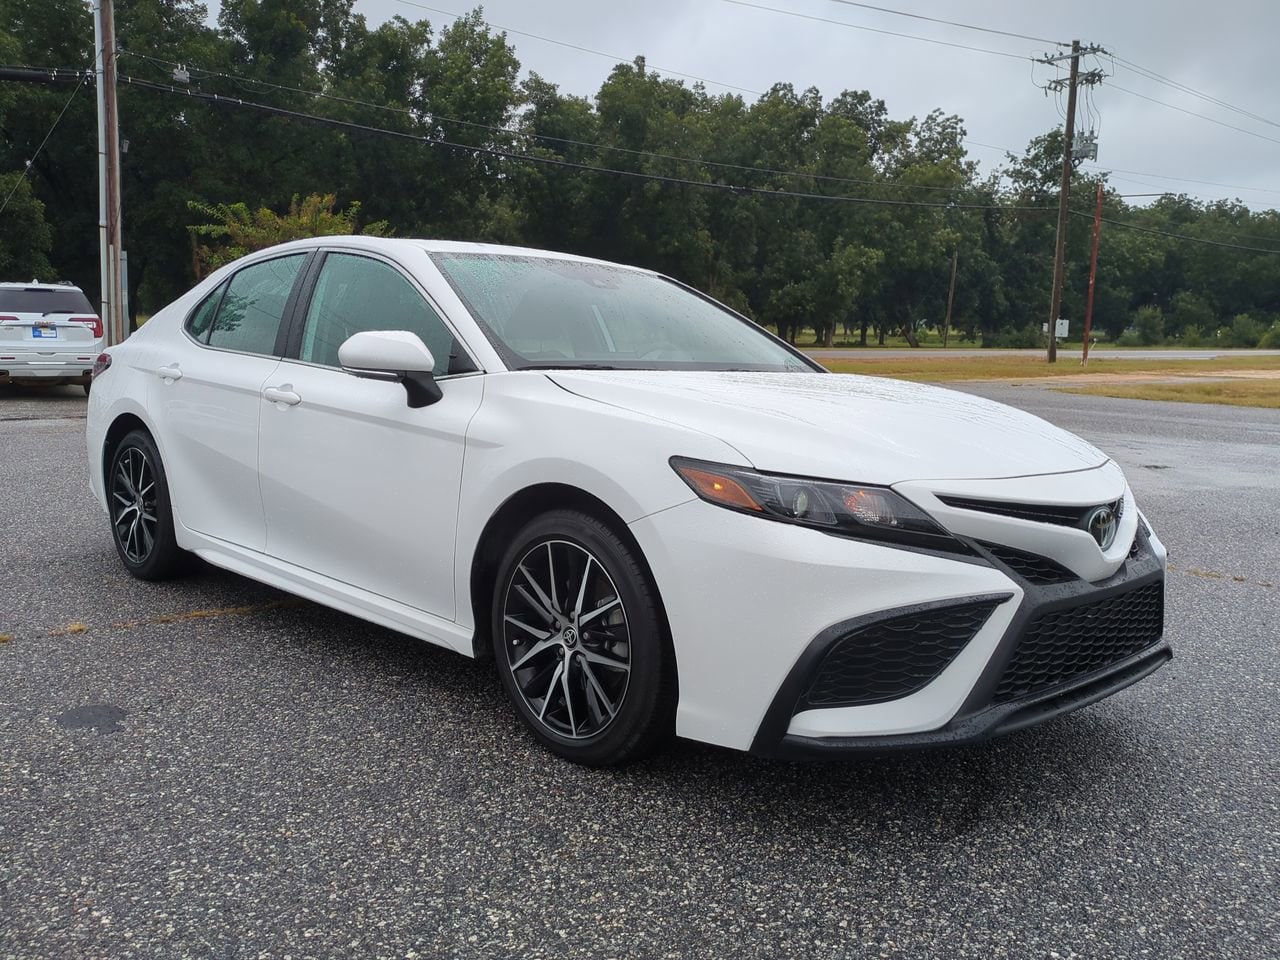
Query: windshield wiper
571	366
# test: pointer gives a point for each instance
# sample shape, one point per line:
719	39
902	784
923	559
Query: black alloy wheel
138	503
579	640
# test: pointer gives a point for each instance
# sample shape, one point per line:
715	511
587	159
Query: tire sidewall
640	718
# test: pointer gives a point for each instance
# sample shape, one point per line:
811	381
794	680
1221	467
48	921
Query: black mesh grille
1032	568
1066	644
892	658
1040	512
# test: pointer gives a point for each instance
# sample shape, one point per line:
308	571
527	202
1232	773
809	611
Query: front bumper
753	606
1007	696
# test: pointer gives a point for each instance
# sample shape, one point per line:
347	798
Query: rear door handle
282	394
171	372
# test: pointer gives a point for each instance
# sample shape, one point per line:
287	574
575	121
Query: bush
1271	339
1019	338
1129	338
1193	336
1244	331
1148	323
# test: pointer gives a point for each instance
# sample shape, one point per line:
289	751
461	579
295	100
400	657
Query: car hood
867	429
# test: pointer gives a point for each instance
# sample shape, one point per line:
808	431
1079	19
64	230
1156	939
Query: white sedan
652	515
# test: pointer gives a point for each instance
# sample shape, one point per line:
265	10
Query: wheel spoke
537	649
532	631
594	686
582	587
543	600
568	697
122	474
122	498
597	657
147	537
583	621
555	678
551	577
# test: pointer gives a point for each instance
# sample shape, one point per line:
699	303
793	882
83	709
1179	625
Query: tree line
808	214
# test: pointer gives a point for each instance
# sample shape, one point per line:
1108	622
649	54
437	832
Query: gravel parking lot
207	768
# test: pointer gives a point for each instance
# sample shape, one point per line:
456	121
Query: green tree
234	229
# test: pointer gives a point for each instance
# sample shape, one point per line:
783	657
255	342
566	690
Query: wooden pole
1093	277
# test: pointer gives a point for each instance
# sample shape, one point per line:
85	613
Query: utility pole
951	296
1073	82
1093	276
109	228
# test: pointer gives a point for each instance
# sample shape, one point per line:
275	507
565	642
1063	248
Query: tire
617	701
147	547
86	389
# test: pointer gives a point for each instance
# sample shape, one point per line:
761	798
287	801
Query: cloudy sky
1225	49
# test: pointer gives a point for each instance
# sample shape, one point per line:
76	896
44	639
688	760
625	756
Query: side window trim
298	322
288	338
290	303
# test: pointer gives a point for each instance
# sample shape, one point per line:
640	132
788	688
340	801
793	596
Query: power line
573	46
1178	85
1202	116
1177	236
1212	183
890	33
403	111
22	175
951	23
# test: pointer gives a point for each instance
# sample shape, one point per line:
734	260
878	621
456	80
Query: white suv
49	334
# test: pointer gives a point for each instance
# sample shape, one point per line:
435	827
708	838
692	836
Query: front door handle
170	372
282	394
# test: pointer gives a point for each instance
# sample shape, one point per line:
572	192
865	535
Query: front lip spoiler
993	721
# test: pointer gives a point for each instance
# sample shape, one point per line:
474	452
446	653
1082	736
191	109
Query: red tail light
95	323
4	318
100	365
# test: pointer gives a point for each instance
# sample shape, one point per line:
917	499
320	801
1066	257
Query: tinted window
544	312
201	319
356	293
249	316
36	300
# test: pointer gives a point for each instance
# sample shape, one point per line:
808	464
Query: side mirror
395	355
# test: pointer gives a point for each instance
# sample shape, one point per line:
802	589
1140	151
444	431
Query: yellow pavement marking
182	616
1215	575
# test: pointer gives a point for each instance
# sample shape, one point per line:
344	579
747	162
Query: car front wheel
138	503
579	641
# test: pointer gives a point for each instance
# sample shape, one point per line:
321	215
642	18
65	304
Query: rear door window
248	318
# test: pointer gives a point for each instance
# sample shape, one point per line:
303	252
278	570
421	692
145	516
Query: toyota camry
650	514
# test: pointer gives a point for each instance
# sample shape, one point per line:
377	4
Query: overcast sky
1224	48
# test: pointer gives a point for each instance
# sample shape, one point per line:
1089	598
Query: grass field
1235	393
934	368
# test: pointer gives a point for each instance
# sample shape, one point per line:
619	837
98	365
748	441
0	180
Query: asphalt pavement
206	768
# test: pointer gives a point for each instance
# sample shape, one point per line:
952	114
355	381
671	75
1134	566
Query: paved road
896	353
286	781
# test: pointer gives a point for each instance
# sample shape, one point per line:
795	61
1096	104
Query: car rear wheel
141	517
579	641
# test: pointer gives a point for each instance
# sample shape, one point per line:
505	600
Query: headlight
851	509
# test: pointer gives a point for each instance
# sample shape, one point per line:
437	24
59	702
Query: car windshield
43	301
541	312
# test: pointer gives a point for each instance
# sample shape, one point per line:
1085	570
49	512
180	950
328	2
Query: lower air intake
892	658
1062	645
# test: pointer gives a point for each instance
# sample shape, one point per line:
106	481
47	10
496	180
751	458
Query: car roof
391	245
36	285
